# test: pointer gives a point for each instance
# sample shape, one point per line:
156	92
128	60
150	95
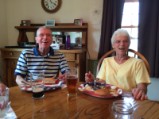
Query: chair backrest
130	52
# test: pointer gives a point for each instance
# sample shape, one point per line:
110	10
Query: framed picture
50	23
78	22
25	23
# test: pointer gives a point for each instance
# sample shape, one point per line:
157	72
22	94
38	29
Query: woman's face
121	44
44	38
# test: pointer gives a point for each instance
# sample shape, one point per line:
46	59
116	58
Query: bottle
68	42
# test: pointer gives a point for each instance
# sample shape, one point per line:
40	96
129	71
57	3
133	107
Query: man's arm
20	80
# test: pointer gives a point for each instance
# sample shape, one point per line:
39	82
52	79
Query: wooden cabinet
75	58
59	27
9	60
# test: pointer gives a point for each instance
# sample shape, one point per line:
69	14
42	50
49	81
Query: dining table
56	104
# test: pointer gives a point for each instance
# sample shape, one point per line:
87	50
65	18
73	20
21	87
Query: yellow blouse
125	76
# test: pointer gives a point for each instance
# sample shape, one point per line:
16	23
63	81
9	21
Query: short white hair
120	32
42	27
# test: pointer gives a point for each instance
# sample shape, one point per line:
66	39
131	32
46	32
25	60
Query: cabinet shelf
59	27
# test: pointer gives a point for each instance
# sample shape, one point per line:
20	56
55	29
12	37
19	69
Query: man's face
44	38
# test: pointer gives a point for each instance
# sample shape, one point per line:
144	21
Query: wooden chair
130	51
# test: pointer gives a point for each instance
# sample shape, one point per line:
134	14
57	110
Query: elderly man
40	59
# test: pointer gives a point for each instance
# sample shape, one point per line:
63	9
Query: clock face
51	6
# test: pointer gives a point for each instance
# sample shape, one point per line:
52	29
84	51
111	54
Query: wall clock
51	6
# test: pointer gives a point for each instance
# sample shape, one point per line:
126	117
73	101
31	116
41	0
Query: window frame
131	27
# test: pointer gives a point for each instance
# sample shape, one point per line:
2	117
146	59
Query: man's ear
36	39
113	46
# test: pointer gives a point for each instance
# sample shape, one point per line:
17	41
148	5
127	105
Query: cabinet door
10	67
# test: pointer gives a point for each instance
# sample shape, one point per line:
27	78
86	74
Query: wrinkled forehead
121	37
43	31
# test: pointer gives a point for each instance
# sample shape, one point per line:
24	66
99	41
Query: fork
94	83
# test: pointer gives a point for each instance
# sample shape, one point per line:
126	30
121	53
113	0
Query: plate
47	87
114	91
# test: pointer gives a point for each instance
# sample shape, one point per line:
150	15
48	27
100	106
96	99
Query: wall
153	89
89	10
3	24
3	29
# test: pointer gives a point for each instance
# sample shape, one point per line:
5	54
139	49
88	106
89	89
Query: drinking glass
122	110
4	99
71	80
37	81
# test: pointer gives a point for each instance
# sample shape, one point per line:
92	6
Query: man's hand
62	78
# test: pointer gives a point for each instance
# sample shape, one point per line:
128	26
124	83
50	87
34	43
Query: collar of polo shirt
36	52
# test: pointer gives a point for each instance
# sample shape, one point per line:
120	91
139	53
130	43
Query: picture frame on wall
78	22
50	23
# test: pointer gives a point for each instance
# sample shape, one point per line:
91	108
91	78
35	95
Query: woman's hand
140	91
89	77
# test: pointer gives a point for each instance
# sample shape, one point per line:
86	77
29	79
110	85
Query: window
130	21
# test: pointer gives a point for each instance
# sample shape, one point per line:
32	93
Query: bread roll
88	88
104	91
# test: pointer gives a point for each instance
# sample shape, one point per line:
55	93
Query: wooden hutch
75	57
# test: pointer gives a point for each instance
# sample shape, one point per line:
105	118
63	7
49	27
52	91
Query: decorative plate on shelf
100	90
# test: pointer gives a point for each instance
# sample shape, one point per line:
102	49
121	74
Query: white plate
46	88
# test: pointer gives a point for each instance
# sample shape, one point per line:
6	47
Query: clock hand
54	3
51	1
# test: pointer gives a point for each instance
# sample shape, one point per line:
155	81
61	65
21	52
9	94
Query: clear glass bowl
122	109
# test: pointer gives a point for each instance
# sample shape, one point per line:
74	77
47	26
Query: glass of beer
37	81
71	80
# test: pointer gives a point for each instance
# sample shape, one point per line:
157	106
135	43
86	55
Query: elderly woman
127	73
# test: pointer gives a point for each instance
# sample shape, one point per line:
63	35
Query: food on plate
88	87
104	91
100	89
49	80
